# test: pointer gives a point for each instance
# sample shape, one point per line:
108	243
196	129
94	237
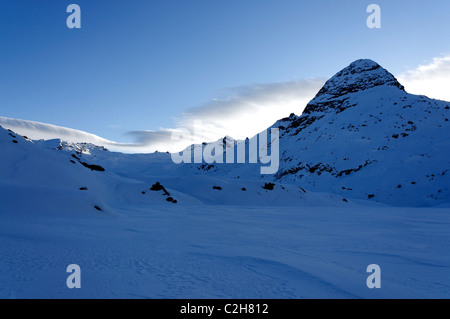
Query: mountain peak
360	75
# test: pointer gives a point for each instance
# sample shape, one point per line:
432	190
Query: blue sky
142	65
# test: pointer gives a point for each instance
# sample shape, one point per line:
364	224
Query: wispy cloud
37	131
43	131
242	112
432	79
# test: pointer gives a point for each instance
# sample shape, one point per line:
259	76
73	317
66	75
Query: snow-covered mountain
363	136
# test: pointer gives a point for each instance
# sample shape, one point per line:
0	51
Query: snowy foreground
226	252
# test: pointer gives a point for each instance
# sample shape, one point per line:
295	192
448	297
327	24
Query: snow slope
116	179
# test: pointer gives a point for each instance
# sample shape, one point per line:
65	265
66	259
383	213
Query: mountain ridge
361	137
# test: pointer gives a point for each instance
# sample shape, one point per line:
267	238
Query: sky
139	69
